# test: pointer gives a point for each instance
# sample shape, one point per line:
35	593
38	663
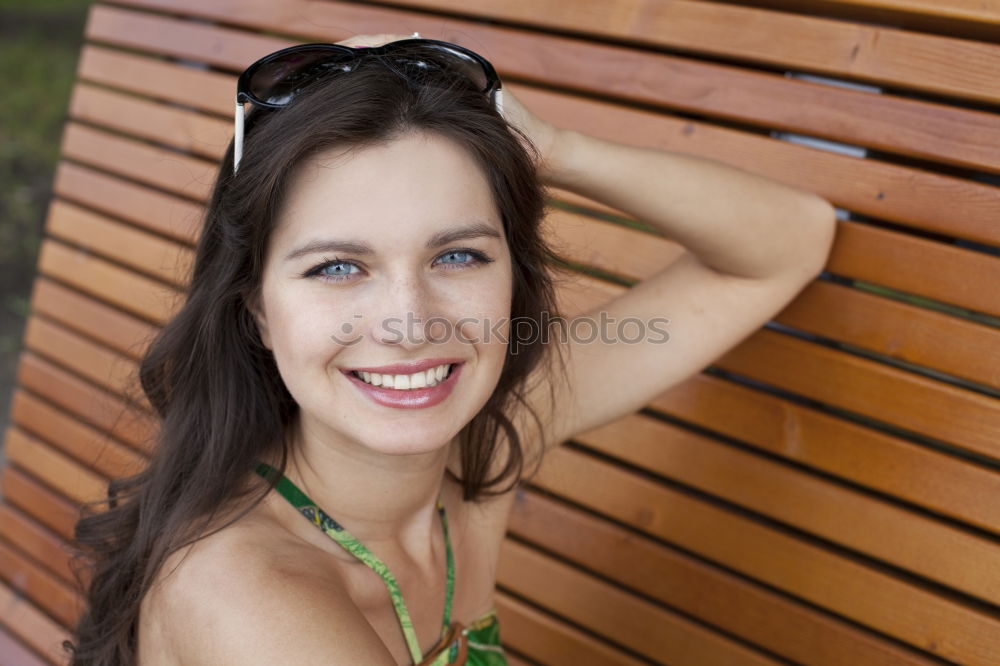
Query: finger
373	40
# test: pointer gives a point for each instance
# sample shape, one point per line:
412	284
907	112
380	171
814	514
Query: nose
407	301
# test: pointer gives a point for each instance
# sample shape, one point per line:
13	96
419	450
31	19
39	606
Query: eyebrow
474	230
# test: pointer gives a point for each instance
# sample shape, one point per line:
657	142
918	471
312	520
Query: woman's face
388	255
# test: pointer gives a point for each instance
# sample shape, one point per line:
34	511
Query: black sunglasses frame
491	89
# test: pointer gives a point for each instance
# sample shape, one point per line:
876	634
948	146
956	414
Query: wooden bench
826	493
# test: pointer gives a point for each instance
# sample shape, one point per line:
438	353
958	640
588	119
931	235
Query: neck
388	502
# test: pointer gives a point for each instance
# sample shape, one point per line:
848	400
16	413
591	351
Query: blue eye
339	270
471	257
340	267
340	273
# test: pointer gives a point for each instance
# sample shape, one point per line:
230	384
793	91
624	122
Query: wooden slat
86	402
191	132
792	439
905	195
145	32
143	252
42	504
899	331
551	641
78	440
42	544
57	470
921	476
111	283
871	389
93	362
873	527
53	596
808	571
908	196
163	80
972	19
877	55
853	316
610	612
12	651
699	590
31	626
159	167
170	216
111	327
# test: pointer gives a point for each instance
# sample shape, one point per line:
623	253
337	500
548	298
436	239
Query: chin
414	443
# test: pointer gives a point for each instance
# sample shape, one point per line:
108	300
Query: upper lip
406	368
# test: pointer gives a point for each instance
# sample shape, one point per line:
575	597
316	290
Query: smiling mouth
417	380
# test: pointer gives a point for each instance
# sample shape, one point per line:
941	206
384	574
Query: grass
39	45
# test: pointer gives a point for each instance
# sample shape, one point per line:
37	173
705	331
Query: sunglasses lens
278	81
437	65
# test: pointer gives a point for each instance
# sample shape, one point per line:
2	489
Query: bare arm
734	221
752	244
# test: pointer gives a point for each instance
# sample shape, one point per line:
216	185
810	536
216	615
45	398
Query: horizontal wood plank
656	633
808	571
31	626
699	590
947	66
13	651
551	641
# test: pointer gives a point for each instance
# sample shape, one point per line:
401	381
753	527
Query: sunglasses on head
273	81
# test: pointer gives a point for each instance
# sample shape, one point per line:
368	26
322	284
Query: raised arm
752	244
736	222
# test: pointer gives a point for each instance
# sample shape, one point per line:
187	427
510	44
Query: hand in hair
374	40
542	134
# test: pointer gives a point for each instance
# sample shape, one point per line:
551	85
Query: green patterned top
475	645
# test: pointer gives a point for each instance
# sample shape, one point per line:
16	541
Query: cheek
483	314
304	330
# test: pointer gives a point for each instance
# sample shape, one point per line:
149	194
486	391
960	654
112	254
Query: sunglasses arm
238	135
498	101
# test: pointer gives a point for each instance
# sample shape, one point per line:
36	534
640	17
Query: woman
351	352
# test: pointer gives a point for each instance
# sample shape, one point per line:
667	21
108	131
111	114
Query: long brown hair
216	389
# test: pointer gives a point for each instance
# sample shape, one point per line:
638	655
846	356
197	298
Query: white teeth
423	379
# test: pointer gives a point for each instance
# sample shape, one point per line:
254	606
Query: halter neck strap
336	531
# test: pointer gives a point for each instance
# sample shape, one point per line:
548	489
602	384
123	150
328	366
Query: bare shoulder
224	600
